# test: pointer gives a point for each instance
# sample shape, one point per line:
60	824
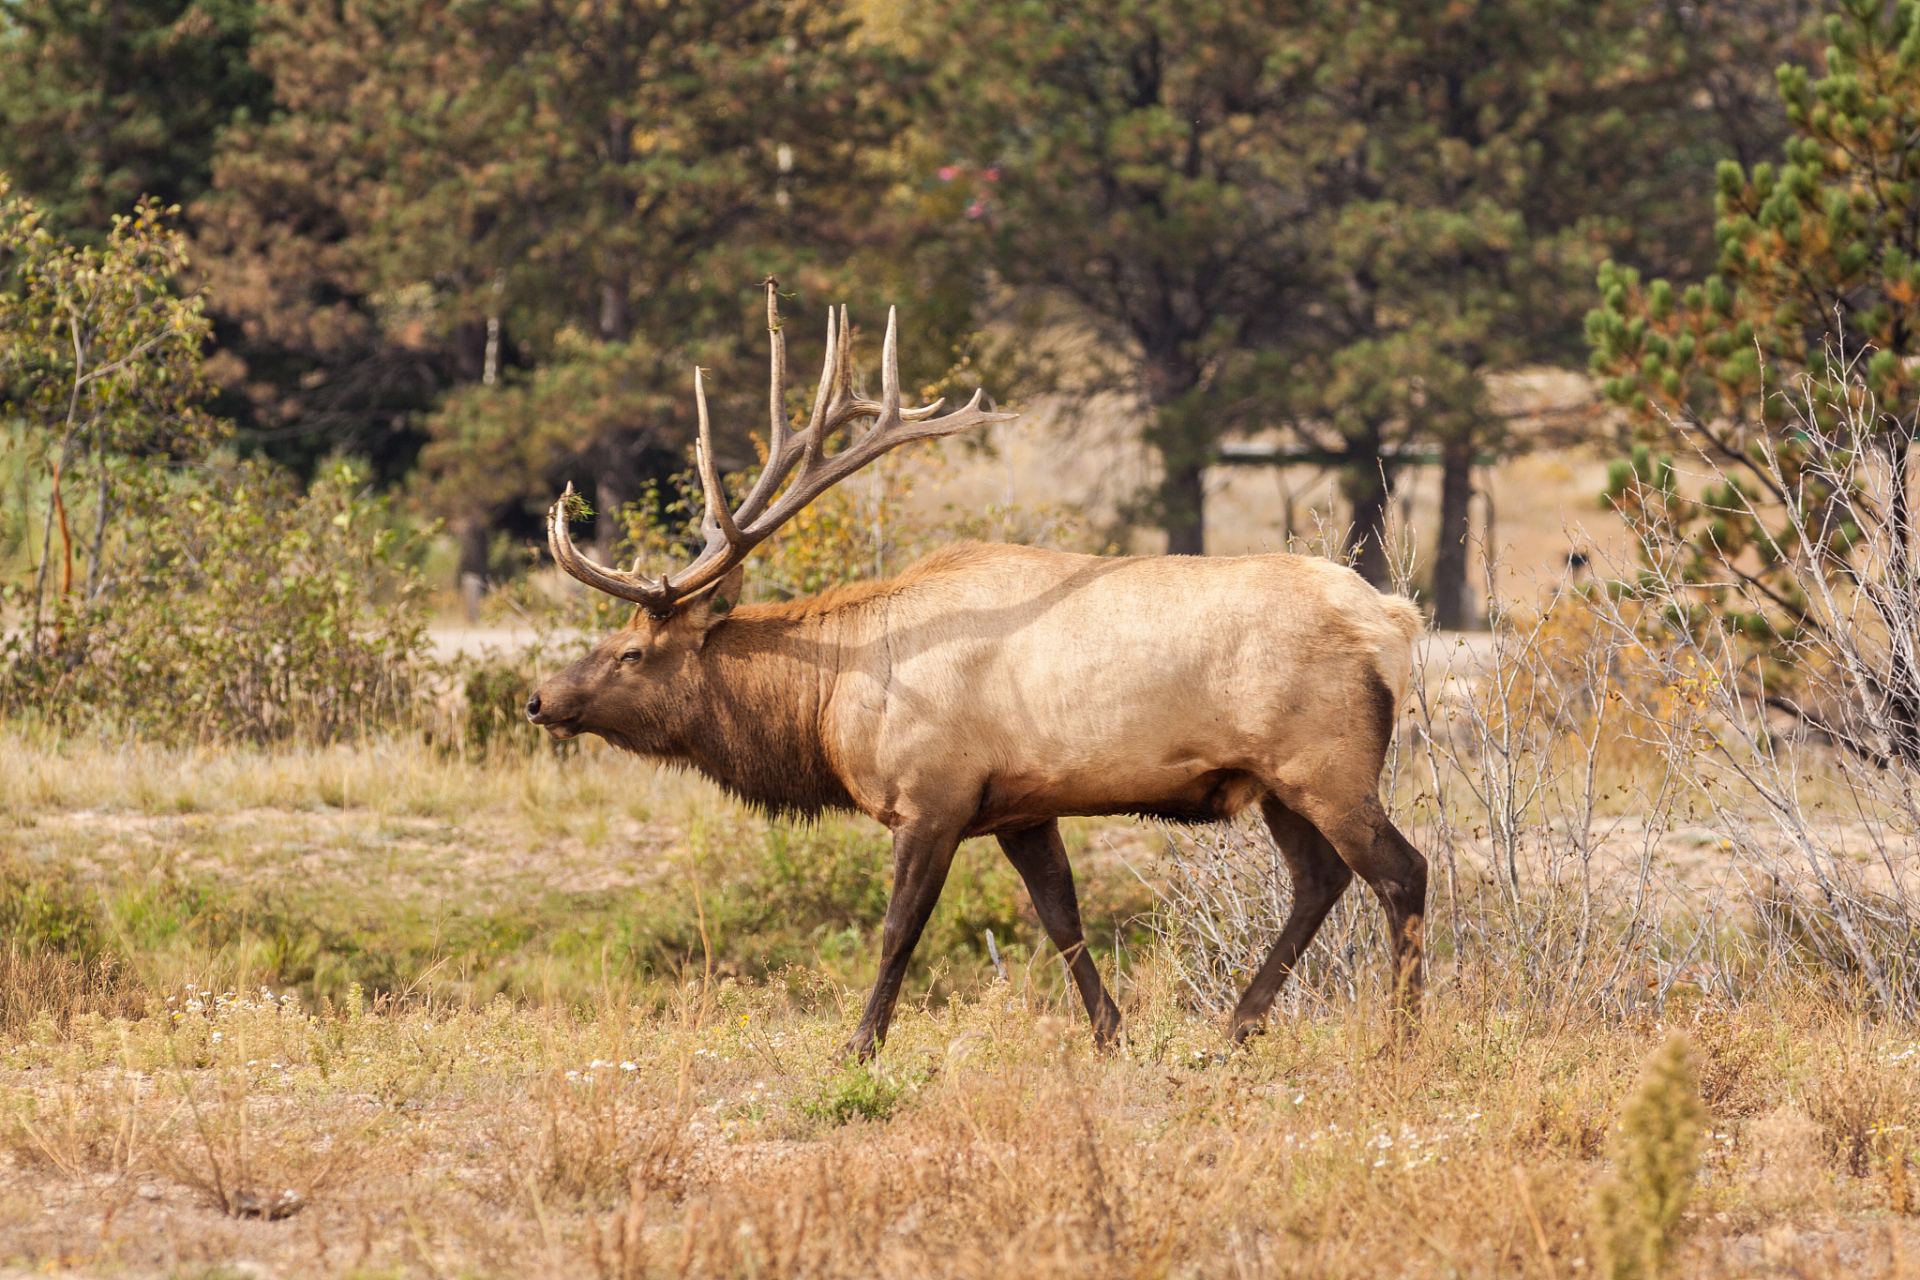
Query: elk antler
731	535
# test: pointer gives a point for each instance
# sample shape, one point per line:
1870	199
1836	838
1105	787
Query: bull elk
993	690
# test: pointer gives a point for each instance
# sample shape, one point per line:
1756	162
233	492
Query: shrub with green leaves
177	599
240	609
865	1092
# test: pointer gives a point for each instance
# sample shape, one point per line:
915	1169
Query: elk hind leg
1319	878
1379	854
922	855
1041	859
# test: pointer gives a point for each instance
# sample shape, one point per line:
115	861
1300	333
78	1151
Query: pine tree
1157	165
1815	308
1501	149
461	196
105	101
1340	217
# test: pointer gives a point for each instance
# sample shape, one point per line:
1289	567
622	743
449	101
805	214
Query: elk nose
533	707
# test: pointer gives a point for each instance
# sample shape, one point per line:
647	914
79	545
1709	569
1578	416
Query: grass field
394	1009
377	1011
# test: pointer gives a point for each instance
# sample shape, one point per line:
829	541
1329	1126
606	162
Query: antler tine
843	361
890	378
889	373
782	451
777	380
829	376
624	586
717	517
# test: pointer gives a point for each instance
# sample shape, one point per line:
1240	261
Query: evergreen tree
1498	151
1157	163
458	193
1447	258
1340	216
1813	314
105	101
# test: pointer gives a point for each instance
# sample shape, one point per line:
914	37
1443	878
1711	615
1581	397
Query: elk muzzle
550	713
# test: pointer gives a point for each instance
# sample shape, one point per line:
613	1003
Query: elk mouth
560	729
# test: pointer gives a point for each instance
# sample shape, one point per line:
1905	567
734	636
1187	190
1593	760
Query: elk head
638	685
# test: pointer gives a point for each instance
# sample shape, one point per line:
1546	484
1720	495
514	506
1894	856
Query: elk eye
633	655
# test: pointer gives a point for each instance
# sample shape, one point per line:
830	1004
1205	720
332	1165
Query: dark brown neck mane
757	732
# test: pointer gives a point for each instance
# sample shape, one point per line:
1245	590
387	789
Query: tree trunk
1183	434
1369	491
613	310
471	532
607	501
96	571
1450	551
1183	510
46	543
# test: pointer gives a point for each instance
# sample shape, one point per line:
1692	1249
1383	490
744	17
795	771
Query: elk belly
1188	792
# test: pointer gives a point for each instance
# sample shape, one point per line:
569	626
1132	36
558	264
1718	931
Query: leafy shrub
492	710
861	1093
57	960
240	609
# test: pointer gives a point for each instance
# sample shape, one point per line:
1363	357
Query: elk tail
1405	615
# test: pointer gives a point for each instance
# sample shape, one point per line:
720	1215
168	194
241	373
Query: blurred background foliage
472	250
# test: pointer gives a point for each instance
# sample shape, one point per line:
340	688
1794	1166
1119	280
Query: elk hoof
1248	1028
855	1052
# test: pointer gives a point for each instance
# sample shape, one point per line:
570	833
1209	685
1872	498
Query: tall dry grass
692	1140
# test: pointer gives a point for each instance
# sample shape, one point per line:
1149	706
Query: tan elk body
992	690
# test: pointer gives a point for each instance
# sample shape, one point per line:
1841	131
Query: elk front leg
1041	859
922	853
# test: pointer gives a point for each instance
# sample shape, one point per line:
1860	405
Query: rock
246	1204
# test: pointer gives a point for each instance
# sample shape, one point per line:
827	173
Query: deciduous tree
100	354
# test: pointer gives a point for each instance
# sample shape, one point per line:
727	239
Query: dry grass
506	1069
690	1140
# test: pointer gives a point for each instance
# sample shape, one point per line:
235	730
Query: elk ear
710	604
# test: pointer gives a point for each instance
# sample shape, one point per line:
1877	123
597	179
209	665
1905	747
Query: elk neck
767	673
